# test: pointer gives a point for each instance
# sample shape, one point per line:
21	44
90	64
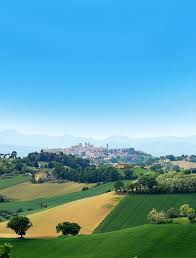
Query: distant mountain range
25	143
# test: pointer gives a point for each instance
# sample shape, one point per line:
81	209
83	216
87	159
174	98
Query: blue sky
98	68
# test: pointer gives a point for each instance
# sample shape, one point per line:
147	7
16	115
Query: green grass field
55	200
142	171
8	182
148	241
133	209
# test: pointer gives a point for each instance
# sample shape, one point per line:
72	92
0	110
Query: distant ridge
156	145
22	151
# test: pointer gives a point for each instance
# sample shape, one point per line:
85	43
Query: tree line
32	162
169	216
171	182
71	161
63	167
92	174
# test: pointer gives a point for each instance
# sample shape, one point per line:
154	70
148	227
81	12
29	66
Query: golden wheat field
88	213
185	164
28	191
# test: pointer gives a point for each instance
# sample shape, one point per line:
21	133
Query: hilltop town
104	155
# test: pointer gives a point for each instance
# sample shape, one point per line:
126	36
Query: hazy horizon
8	130
25	143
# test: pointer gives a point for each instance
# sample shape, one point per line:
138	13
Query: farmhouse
122	166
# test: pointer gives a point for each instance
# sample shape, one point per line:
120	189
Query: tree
171	213
119	186
13	155
131	187
186	210
85	188
3	198
5	250
147	181
20	225
192	217
176	182
156	217
59	171
134	186
128	173
187	171
36	164
68	228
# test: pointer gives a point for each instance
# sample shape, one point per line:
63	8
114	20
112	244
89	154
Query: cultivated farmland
132	210
88	213
35	205
29	191
8	182
185	164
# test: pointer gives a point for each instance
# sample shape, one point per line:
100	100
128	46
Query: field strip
28	191
88	213
184	164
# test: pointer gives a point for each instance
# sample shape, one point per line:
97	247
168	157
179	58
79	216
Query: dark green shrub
19	210
30	209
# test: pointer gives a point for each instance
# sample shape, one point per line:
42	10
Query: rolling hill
147	241
12	181
133	209
28	191
88	213
53	201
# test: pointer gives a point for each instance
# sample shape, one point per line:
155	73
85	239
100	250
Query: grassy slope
56	200
8	182
160	241
142	171
133	209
